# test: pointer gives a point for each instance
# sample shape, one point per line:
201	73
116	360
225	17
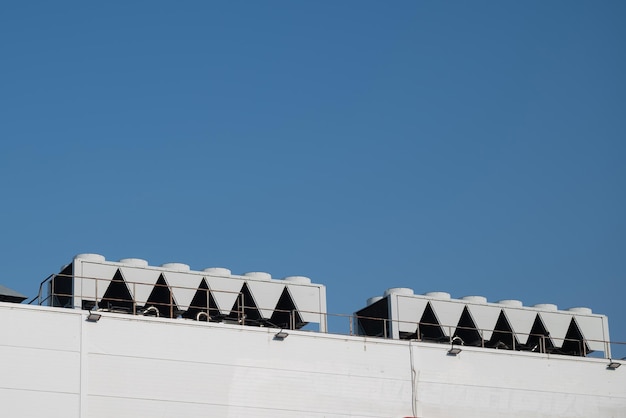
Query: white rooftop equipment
173	290
472	321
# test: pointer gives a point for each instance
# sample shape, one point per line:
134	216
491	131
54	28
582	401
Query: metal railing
48	295
241	313
507	340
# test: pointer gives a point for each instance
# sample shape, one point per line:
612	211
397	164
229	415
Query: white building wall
54	363
225	370
496	383
39	362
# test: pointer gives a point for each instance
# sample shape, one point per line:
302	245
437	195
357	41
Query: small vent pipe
151	309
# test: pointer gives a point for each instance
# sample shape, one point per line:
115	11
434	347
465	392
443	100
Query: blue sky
476	148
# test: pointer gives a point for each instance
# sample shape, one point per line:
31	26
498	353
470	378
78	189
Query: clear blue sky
476	148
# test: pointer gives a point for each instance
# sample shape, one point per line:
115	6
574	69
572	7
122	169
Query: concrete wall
54	363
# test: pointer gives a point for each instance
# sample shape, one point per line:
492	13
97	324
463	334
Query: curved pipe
201	315
151	309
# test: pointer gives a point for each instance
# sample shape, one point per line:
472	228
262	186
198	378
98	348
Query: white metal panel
485	317
90	288
410	311
592	328
225	291
90	278
521	320
140	282
38	403
125	407
556	324
40	370
322	300
307	301
266	295
90	269
448	313
39	327
183	287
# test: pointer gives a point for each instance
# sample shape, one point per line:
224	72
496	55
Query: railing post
134	298
171	303
243	310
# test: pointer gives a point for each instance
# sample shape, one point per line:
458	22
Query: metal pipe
152	309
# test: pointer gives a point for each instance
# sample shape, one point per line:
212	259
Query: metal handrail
38	297
542	346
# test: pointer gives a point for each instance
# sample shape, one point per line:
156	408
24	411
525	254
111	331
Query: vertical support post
242	313
171	303
208	308
134	298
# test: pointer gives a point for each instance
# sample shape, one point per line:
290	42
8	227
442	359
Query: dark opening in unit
502	337
467	331
246	312
62	288
203	301
285	315
117	297
162	299
429	328
574	343
539	338
373	320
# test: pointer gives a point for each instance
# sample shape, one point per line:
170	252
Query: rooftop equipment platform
471	320
173	290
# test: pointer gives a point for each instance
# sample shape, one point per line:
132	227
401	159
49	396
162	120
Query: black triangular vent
574	343
372	319
161	298
429	328
117	296
252	316
203	301
539	338
466	330
281	317
502	336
